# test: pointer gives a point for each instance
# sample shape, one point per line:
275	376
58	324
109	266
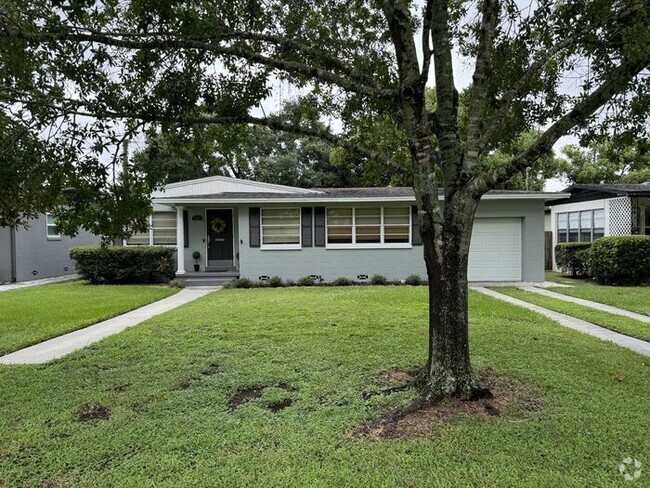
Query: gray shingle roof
622	189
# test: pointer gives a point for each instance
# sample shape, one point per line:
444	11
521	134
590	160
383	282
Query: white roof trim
255	184
316	199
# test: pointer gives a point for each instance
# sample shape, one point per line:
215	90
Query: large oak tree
550	66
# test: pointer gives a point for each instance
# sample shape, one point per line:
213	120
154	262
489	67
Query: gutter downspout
12	253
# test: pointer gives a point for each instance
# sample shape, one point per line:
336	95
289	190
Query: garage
495	251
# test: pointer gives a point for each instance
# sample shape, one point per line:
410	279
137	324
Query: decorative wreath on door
218	225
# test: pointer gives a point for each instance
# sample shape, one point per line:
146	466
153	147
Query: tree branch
426	40
204	44
480	81
617	82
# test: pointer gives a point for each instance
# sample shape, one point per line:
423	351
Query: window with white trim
162	231
368	227
280	228
52	229
582	226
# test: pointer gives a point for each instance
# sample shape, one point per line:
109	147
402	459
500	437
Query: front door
220	238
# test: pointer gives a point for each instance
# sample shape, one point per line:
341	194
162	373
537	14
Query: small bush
572	258
176	284
120	265
289	283
275	282
241	283
621	260
413	280
378	280
305	281
342	282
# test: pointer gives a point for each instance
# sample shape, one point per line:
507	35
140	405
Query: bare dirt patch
506	394
280	405
244	396
91	411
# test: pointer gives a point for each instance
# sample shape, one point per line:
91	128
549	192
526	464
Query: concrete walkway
587	303
44	281
636	345
65	344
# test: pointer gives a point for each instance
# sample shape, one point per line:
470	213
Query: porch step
207	278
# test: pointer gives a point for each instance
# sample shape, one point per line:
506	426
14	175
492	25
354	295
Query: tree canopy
608	161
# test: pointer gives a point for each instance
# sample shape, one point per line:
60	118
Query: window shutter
319	226
416	238
254	226
306	226
186	228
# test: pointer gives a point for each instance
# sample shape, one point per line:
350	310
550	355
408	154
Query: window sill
404	245
53	238
281	247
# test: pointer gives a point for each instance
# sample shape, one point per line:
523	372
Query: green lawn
32	315
634	298
618	323
167	384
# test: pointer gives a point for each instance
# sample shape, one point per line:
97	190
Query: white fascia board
315	199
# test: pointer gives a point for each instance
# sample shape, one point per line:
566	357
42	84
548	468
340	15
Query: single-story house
594	211
39	251
258	230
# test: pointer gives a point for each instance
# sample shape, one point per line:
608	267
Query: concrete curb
636	345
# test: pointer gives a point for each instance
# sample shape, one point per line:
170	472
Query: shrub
572	258
176	284
413	280
306	281
342	282
119	265
621	260
241	283
275	282
378	280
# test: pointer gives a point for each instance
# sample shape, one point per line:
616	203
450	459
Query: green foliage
196	255
305	281
178	284
609	161
413	280
275	282
342	281
119	265
572	258
621	260
378	280
240	283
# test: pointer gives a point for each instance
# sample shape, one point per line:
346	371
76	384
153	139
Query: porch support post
180	241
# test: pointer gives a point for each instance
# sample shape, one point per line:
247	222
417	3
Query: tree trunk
448	371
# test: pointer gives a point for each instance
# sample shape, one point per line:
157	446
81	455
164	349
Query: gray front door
220	238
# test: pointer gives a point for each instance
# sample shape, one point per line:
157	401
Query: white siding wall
393	263
574	207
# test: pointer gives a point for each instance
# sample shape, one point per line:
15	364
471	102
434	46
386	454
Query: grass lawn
164	389
618	323
35	314
634	298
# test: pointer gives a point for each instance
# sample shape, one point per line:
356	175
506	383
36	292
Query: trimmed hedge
120	265
621	260
573	258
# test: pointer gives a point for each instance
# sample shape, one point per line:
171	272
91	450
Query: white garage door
495	252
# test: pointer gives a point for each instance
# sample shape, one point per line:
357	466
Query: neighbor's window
162	231
368	226
52	230
583	226
280	227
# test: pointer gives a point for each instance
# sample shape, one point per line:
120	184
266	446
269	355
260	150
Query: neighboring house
594	211
38	251
258	230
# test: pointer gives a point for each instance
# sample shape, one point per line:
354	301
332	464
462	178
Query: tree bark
448	372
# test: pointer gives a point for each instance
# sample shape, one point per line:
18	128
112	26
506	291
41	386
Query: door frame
234	236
